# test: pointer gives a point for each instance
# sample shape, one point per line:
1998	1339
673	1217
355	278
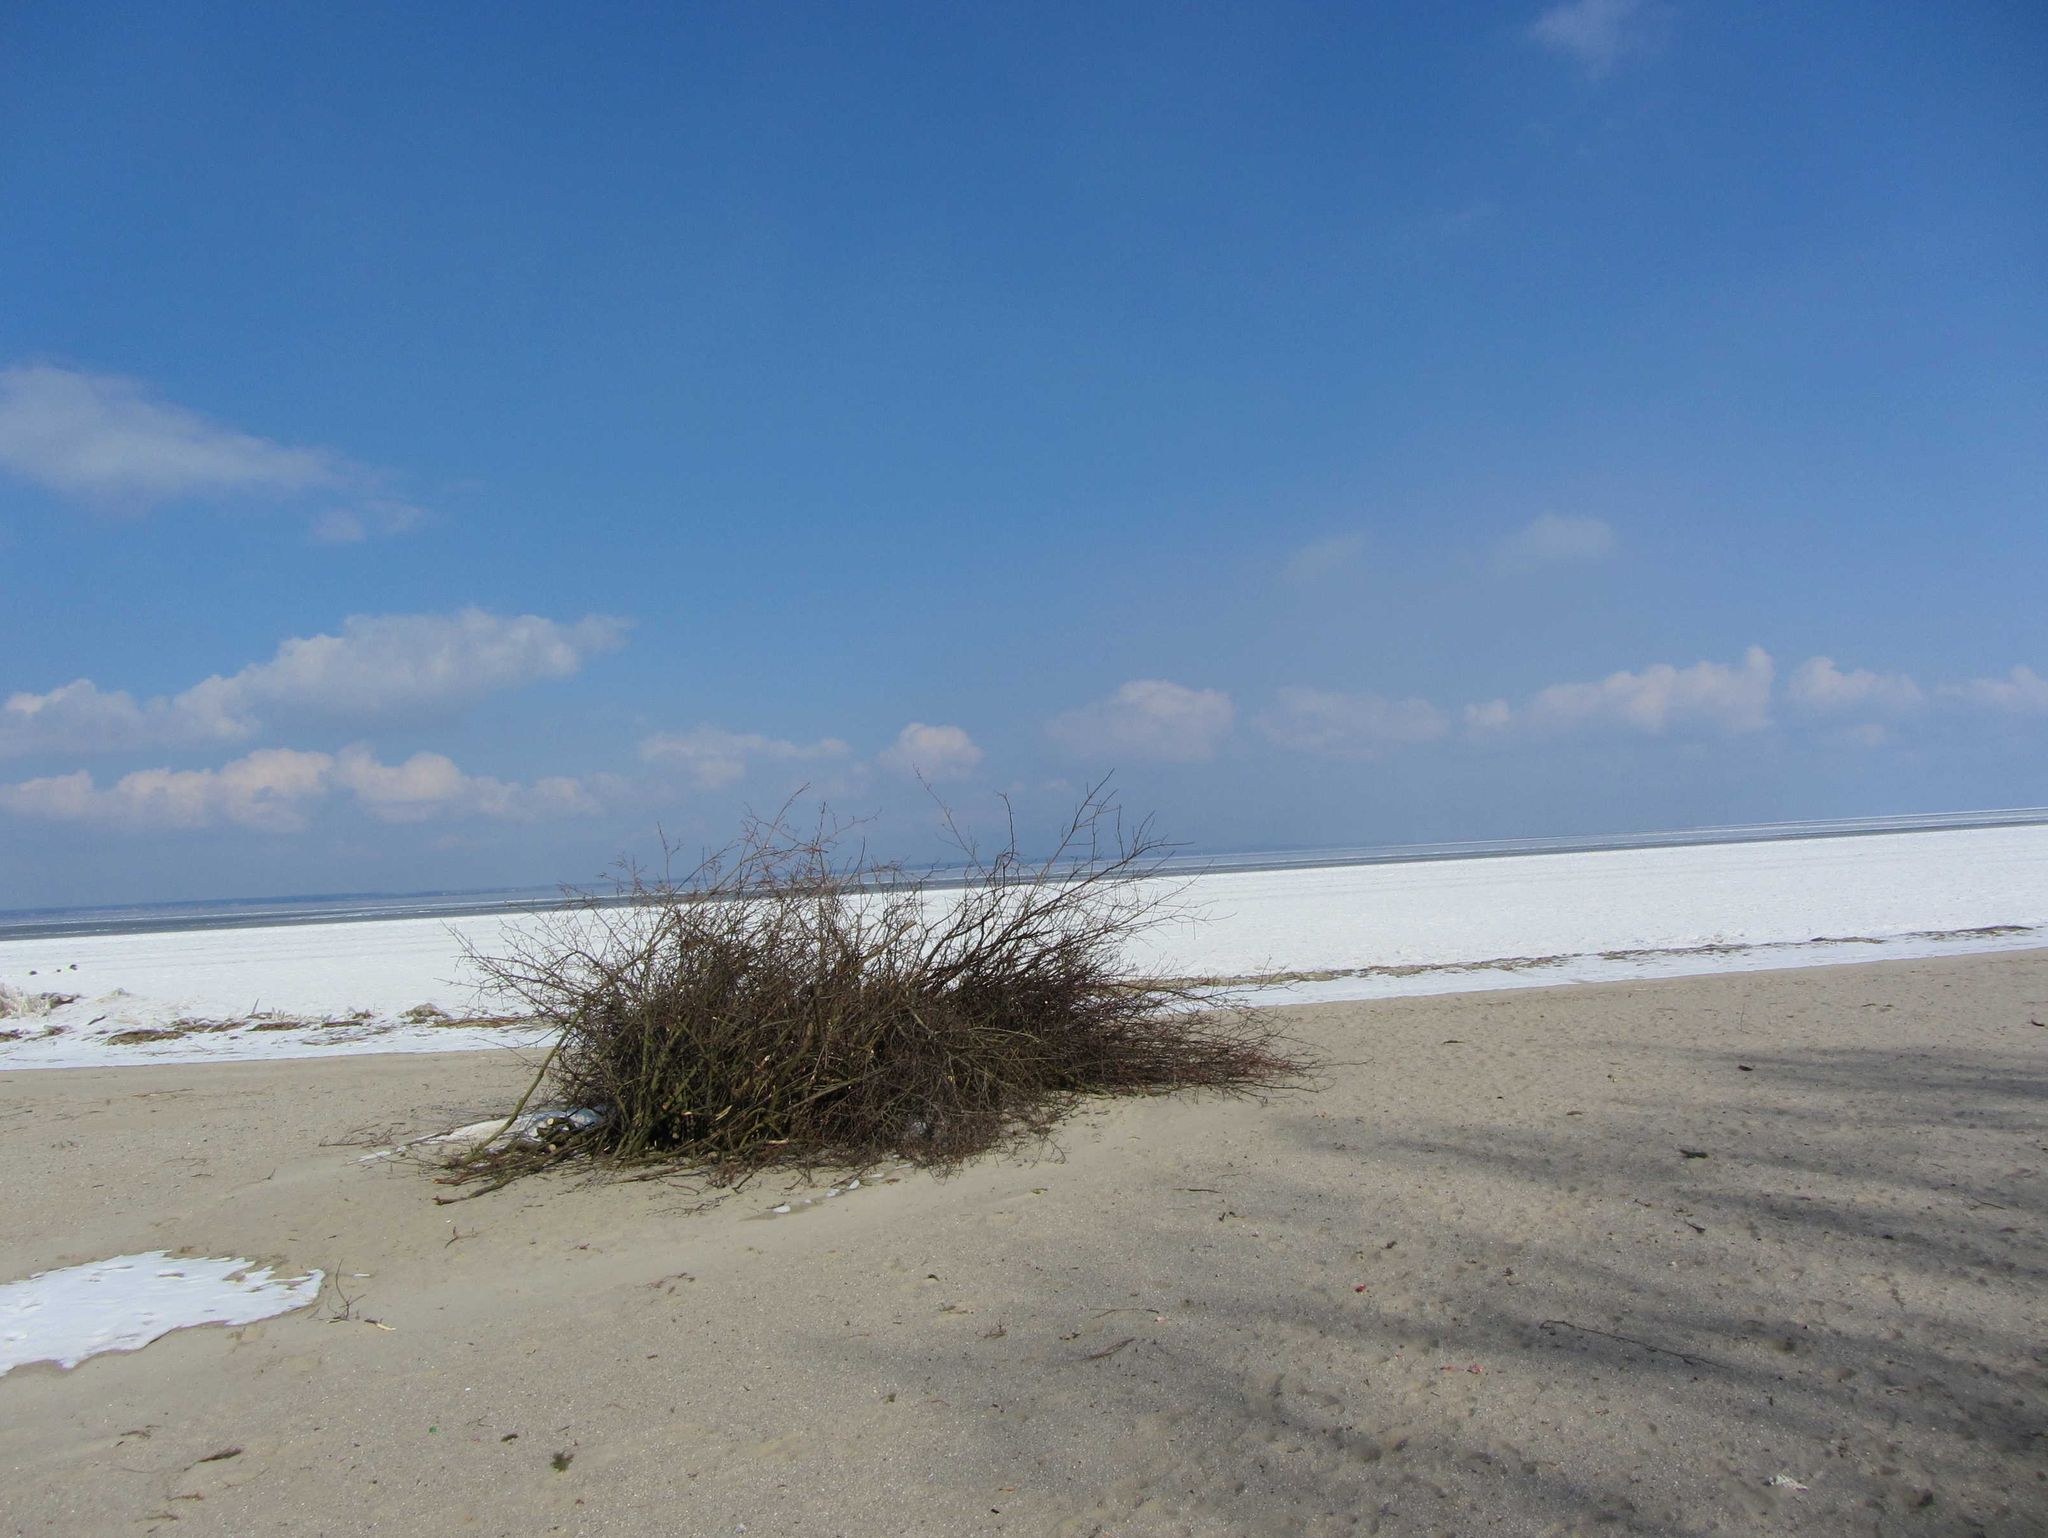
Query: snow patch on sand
123	1304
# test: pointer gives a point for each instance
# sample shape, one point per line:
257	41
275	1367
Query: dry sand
1471	1286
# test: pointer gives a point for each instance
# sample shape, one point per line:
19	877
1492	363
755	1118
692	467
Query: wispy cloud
1553	539
1711	696
713	757
370	519
380	666
1335	555
112	443
935	752
1148	718
1597	35
1349	725
103	438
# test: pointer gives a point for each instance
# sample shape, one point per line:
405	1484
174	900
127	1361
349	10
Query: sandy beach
1475	1283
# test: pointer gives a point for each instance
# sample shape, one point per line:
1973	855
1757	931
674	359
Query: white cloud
1820	687
1350	725
936	752
1552	540
378	666
1323	558
393	664
2020	692
714	757
1595	34
267	791
272	789
1149	718
401	792
430	785
103	438
1708	695
80	717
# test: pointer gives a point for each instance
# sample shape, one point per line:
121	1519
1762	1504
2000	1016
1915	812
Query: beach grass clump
791	1003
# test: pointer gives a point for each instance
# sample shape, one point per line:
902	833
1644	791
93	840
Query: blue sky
439	445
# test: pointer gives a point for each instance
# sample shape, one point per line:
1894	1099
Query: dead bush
790	1002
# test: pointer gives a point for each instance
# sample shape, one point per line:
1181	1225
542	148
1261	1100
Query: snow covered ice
1303	934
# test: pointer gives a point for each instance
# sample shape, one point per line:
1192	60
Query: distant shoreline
345	908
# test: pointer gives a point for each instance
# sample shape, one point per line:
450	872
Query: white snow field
123	1304
1314	933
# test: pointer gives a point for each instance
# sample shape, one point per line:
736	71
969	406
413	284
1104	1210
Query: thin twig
1109	1351
1683	1356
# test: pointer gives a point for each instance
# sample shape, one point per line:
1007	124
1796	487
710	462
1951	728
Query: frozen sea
317	976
